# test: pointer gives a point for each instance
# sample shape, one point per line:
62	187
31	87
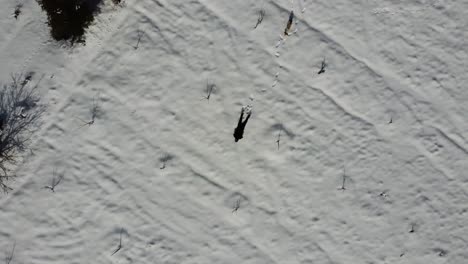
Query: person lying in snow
239	130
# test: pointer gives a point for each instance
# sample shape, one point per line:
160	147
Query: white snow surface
399	60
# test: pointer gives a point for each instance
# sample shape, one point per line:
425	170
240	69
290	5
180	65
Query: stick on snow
322	67
236	206
10	257
120	243
342	188
94	113
209	89
290	21
261	14
138	40
55	182
278	140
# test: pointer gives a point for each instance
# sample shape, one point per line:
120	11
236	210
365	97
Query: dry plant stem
236	206
342	188
55	182
278	140
209	89
94	113
138	41
261	15
322	67
120	243
10	257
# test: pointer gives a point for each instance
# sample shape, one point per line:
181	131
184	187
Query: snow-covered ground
161	162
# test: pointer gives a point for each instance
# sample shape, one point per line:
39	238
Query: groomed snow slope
399	60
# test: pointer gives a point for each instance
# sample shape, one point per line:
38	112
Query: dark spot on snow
17	11
441	252
68	19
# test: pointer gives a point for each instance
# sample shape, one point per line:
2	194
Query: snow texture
160	163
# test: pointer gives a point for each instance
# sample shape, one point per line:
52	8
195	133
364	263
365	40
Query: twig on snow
236	206
120	243
10	257
94	113
138	40
278	140
55	182
209	89
322	67
342	188
261	15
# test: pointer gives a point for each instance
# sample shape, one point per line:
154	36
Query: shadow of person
239	130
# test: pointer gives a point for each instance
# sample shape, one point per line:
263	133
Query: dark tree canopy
68	19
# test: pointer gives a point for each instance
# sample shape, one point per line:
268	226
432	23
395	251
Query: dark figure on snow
290	21
239	130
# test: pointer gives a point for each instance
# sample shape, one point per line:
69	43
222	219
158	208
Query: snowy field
160	168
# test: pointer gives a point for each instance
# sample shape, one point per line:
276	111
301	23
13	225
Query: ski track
291	210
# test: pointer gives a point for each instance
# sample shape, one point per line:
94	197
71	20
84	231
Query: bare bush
209	89
9	257
95	111
55	181
120	246
19	115
236	206
261	15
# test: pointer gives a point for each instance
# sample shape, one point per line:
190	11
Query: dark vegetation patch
20	112
17	11
68	19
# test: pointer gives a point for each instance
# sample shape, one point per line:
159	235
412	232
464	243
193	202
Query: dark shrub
68	19
20	111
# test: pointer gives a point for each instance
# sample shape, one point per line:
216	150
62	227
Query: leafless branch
278	140
94	113
322	67
8	258
20	113
55	181
120	243
138	40
261	15
236	206
342	188
209	89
